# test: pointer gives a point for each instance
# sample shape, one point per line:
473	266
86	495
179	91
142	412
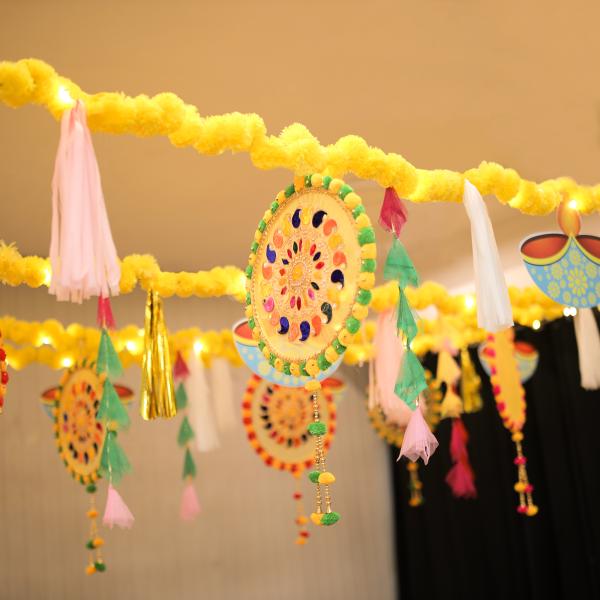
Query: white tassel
588	347
200	411
222	393
493	303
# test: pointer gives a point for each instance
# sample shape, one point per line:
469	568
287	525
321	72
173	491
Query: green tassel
399	267
111	408
100	566
317	428
189	466
314	476
113	463
406	320
181	398
330	518
108	360
186	433
411	381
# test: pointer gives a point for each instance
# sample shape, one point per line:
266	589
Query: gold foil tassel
470	383
158	394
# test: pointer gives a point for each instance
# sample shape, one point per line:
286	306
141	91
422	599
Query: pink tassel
418	440
460	478
180	369
393	213
82	252
116	511
190	507
105	316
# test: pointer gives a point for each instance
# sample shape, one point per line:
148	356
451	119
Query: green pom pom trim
314	476
352	324
248	299
364	297
274	207
91	488
303	370
344	191
249	271
272	360
289	190
251	323
330	518
366	236
338	346
262	225
100	567
308	181
322	362
286	368
317	428
359	210
261	345
89	545
326	181
254	247
368	265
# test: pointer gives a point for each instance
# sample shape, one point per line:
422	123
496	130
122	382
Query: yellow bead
295	369
280	197
316	180
266	353
312	368
326	478
360	312
92	513
301	520
330	354
251	258
267	216
98	542
363	220
301	541
335	185
316	518
345	337
278	364
90	569
517	436
532	510
256	334
298	182
312	386
519	487
257	236
352	200
368	251
249	311
366	280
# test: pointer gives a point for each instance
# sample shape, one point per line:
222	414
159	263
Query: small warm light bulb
573	311
536	324
573	204
469	302
44	341
131	346
66	362
64	96
198	347
47	276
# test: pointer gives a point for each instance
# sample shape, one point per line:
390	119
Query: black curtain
480	549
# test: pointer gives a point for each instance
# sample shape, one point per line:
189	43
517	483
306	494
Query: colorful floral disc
276	419
311	269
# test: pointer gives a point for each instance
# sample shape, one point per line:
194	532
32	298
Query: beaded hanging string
301	520
3	375
415	485
95	542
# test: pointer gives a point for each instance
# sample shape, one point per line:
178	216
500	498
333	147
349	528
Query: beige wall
241	547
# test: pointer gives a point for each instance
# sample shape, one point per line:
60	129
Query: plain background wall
240	547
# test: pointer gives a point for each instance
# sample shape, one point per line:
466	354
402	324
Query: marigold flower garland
32	81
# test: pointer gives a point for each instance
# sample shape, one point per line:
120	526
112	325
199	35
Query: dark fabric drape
480	549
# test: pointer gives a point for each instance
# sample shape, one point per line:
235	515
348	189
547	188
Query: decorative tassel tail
190	507
116	511
418	440
393	213
588	348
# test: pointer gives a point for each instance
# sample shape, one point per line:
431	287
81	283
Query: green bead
317	428
303	370
366	236
261	345
344	191
251	323
338	346
248	299
308	181
289	190
326	181
254	247
368	265
100	567
330	518
262	225
274	207
352	324
272	360
286	368
323	363
91	488
89	545
314	476
364	297
249	271
359	210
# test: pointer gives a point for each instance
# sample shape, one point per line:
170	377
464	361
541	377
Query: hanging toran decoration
190	507
499	352
3	375
393	433
311	269
278	422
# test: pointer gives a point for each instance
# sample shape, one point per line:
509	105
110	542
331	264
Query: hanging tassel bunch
158	395
470	384
415	486
323	514
448	372
190	507
460	478
82	252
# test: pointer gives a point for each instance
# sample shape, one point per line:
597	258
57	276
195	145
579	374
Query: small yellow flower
591	270
577	282
557	271
553	289
574	257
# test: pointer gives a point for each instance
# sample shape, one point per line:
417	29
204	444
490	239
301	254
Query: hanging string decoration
278	422
80	436
470	384
310	274
3	374
158	393
511	404
526	357
190	507
392	432
82	252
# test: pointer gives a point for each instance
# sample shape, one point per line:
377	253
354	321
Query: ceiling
445	83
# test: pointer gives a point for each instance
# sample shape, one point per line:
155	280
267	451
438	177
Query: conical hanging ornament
158	394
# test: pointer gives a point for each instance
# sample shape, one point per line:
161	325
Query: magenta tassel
180	368
418	440
116	511
460	478
105	316
190	507
393	214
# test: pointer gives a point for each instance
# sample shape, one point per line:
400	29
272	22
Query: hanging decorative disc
526	355
276	419
79	435
311	270
565	266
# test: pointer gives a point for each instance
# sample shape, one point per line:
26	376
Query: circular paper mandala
391	432
276	419
311	270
